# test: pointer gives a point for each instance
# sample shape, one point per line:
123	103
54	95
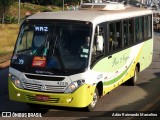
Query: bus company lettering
115	62
120	60
44	72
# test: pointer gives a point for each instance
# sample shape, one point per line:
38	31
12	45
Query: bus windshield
59	45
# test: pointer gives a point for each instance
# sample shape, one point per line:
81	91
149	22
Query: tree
51	2
4	6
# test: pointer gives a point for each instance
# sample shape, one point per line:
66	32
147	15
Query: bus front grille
42	77
51	100
44	88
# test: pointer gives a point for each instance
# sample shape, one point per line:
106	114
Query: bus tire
93	104
133	80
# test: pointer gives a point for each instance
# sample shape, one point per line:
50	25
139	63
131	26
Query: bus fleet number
62	83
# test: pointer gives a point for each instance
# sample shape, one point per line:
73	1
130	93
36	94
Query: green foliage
5	4
28	7
10	19
52	2
45	9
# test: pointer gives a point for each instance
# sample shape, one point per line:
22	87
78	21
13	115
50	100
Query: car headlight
74	85
16	81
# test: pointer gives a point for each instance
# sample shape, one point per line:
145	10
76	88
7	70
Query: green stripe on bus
117	78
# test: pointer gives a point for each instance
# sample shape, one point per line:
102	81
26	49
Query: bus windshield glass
60	45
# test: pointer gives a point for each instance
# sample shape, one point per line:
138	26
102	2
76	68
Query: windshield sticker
21	61
39	28
39	62
85	50
14	57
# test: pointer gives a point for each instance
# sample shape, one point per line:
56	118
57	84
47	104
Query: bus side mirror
100	42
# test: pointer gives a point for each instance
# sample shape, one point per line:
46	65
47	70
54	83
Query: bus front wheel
92	105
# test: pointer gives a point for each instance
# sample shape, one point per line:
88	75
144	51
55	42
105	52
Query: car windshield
62	45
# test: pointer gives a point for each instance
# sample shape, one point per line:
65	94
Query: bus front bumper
82	97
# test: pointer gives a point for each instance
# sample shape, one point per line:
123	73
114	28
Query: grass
8	35
31	8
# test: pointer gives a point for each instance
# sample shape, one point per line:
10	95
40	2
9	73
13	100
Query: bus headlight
16	81
74	85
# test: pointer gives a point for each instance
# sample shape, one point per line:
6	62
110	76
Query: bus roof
93	16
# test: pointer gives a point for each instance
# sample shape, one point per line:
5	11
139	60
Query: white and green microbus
72	58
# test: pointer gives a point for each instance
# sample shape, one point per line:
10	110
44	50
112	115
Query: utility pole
81	2
19	11
63	5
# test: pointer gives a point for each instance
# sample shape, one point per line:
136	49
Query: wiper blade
60	60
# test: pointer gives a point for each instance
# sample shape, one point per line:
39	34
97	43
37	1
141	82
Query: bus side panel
119	68
146	55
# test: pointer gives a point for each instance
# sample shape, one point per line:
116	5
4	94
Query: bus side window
131	32
128	32
98	43
115	39
111	37
125	32
141	29
149	22
137	33
145	27
118	35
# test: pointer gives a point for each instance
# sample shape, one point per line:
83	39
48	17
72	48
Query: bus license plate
42	97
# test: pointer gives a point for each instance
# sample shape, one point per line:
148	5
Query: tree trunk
3	18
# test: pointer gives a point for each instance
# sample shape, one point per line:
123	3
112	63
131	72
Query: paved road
143	97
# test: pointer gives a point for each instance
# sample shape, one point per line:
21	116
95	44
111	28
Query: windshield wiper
60	60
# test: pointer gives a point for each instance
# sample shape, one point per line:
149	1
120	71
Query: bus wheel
133	80
92	105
